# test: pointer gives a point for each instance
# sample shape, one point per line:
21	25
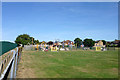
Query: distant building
108	42
99	43
113	43
116	42
68	42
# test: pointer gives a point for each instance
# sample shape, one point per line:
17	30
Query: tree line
86	42
26	39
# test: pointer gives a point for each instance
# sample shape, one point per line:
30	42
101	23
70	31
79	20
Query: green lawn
69	64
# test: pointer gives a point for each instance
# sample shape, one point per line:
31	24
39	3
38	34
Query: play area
61	61
53	47
62	47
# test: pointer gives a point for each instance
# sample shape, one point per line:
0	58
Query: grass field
68	64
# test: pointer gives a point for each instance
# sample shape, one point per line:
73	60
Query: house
67	42
113	43
108	42
116	42
99	43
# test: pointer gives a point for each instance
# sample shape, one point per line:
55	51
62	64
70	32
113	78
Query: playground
59	61
68	64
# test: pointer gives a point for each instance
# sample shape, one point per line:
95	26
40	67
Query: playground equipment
46	49
98	48
54	48
71	46
42	47
67	49
37	47
63	44
62	49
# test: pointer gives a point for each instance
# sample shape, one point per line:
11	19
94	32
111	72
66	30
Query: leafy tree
23	39
40	42
50	43
107	45
88	43
36	41
78	41
104	42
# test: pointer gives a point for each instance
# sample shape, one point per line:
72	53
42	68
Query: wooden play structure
98	48
54	48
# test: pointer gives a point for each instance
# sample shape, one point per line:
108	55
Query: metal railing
9	66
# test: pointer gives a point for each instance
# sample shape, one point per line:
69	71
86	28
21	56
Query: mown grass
71	64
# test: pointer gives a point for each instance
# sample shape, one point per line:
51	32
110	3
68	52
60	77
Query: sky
60	20
60	0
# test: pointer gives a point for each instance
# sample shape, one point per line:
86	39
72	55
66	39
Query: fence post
19	52
12	68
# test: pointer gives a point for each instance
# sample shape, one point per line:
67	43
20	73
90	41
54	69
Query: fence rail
8	66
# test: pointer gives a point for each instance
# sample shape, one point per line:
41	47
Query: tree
104	42
88	43
50	43
78	41
23	39
107	44
40	42
36	41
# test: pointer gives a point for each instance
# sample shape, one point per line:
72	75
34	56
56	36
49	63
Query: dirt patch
25	73
114	70
23	70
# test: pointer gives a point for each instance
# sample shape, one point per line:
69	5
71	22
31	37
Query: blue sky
60	20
